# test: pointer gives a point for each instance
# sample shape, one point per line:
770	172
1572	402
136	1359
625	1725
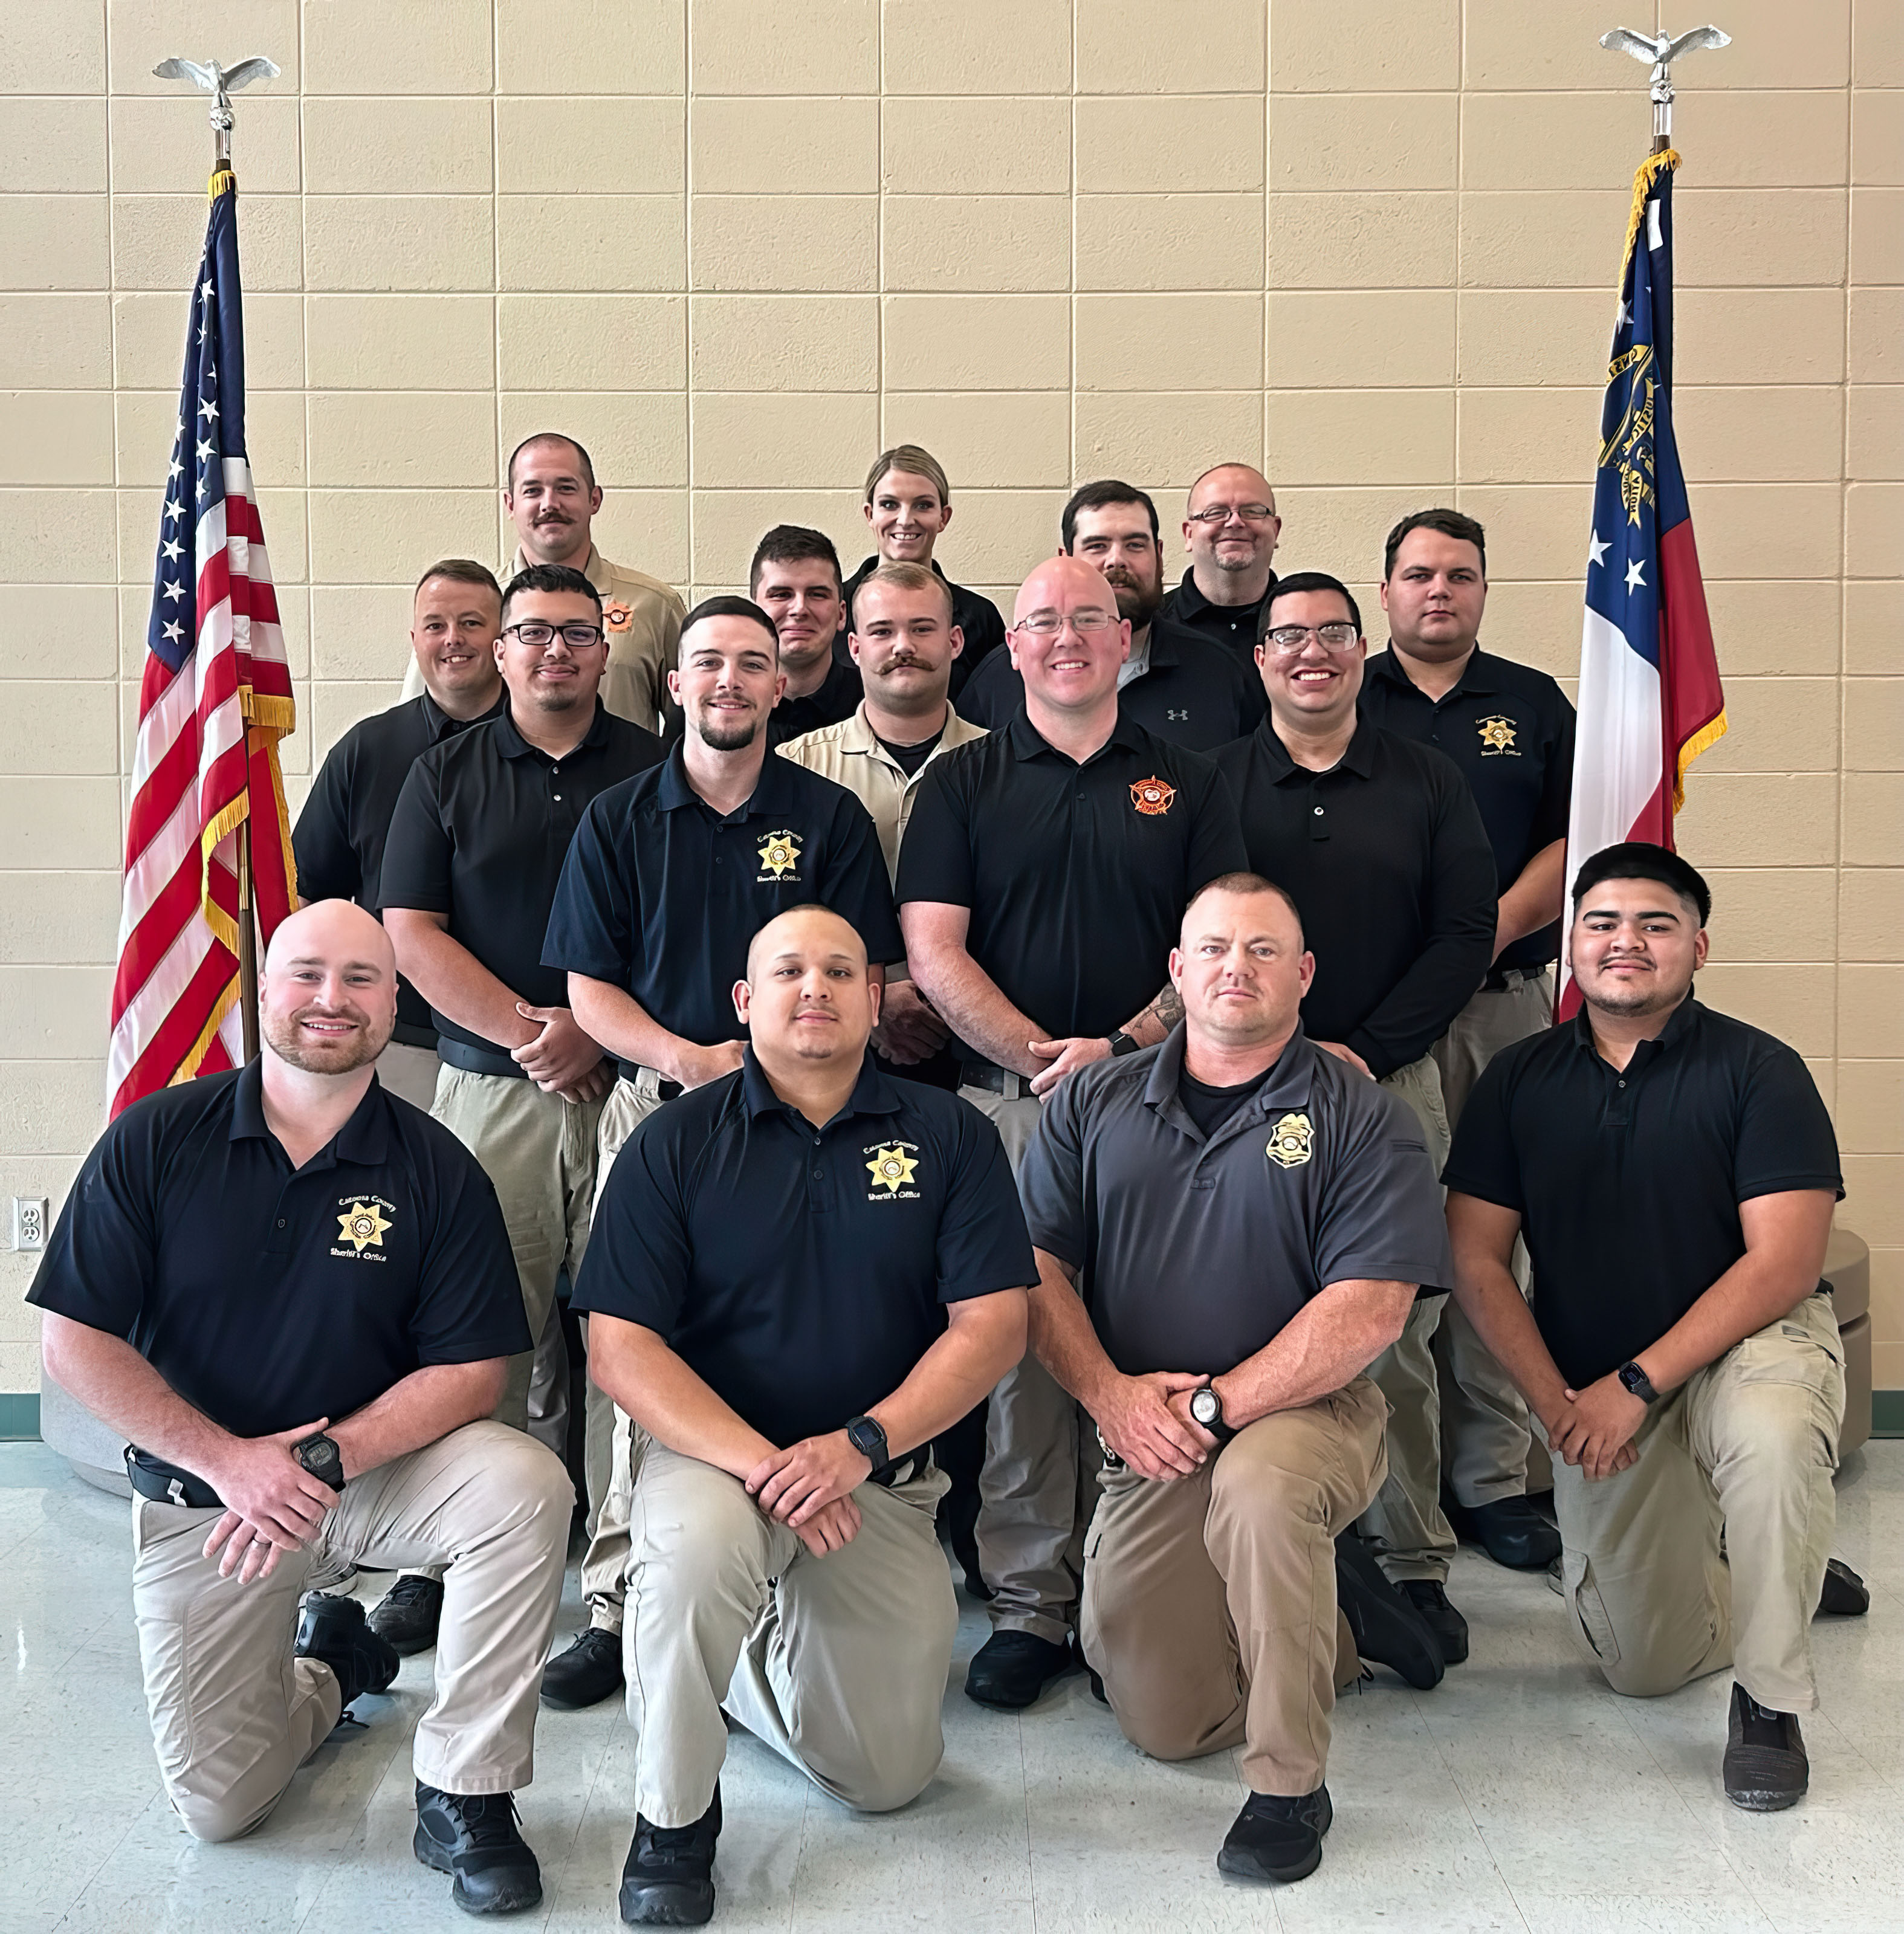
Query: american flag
216	700
1650	700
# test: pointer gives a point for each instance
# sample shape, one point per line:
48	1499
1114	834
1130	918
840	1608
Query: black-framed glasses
535	635
1289	639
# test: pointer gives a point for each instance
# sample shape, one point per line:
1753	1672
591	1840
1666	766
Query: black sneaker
1512	1533
1386	1629
1845	1594
407	1616
1011	1668
473	1837
668	1880
1275	1839
1430	1597
334	1631
1766	1768
586	1673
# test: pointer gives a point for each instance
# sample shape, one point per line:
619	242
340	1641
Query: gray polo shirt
1195	1253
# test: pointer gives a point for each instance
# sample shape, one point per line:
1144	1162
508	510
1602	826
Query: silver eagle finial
221	83
1659	51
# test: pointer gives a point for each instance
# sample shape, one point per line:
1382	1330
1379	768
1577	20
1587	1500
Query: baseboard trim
1887	1413
19	1416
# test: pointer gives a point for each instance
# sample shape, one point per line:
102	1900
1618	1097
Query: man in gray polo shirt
1253	1218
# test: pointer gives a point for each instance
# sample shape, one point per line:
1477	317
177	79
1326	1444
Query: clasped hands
1593	1429
272	1504
808	1487
561	1059
1146	1421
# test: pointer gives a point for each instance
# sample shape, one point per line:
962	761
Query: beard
284	1034
721	732
1616	997
1137	603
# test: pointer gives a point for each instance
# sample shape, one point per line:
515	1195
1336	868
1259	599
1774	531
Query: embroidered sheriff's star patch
363	1223
891	1169
616	616
1151	796
1497	734
779	854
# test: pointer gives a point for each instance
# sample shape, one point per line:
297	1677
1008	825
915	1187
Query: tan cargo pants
1209	1600
1747	1446
234	1713
838	1663
1484	1430
1406	1526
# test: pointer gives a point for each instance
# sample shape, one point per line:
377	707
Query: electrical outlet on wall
29	1222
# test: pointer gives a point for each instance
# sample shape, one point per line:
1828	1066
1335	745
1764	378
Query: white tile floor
1520	1795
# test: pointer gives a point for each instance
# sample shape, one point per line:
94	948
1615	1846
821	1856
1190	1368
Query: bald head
327	994
1056	582
809	1000
1230	529
1067	640
800	928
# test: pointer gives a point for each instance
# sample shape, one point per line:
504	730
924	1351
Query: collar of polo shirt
873	1093
511	744
1360	758
361	1139
1287	1082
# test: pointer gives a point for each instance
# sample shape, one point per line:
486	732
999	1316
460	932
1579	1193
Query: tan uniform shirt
642	616
851	755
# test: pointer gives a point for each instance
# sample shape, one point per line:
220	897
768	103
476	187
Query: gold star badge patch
362	1224
891	1169
1497	735
780	854
1291	1142
616	616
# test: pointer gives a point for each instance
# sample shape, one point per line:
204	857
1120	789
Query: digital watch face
320	1459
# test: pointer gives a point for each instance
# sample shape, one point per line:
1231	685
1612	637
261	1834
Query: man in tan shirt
551	498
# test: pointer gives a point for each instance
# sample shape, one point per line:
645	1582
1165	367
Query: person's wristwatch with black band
867	1435
1637	1381
1122	1044
320	1456
1207	1408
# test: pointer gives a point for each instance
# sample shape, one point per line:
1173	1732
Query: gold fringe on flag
1649	171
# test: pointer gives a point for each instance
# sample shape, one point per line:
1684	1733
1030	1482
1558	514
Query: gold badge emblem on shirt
1291	1142
892	1169
780	856
1497	736
616	616
1151	796
361	1224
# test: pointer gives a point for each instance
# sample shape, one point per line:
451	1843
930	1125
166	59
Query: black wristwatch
320	1456
1637	1381
1122	1044
1206	1407
868	1437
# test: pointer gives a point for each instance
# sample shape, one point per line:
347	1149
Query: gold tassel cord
1649	172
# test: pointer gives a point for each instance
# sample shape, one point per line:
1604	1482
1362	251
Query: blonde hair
915	463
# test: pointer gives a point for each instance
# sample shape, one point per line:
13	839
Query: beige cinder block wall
737	247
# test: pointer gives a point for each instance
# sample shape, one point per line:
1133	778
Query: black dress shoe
1387	1629
333	1630
1430	1597
1766	1768
1845	1594
1011	1668
407	1616
1513	1533
473	1837
586	1673
1275	1839
668	1880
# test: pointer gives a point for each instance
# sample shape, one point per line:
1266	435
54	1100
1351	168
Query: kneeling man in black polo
800	1274
293	1293
1673	1172
1252	1218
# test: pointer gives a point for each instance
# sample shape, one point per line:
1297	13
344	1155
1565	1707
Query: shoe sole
997	1704
1241	1866
557	1702
433	1857
1762	1799
407	1647
666	1903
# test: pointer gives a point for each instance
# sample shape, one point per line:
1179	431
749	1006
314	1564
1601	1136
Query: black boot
1387	1629
1011	1668
586	1673
1512	1532
333	1630
1430	1597
1766	1767
407	1616
1275	1839
473	1837
668	1880
1844	1595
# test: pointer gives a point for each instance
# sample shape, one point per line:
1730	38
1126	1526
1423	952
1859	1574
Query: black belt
988	1074
902	1470
166	1484
1500	977
477	1060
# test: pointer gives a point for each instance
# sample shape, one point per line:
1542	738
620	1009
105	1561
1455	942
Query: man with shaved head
290	1291
1045	868
1230	529
801	1273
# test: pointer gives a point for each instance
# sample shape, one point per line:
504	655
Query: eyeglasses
576	637
1291	638
1220	514
1048	624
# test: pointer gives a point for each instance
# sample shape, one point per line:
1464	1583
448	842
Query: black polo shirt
1389	865
1077	876
481	832
1191	692
838	697
267	1296
1628	1181
799	1272
975	615
1232	626
1511	731
340	834
1197	1250
661	895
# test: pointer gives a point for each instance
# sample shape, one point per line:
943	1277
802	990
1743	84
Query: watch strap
1122	1044
301	1450
867	1435
1637	1381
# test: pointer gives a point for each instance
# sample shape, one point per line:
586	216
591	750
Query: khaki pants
1209	1600
234	1713
1747	1446
838	1663
1484	1435
409	1073
1040	1450
613	1442
1406	1525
